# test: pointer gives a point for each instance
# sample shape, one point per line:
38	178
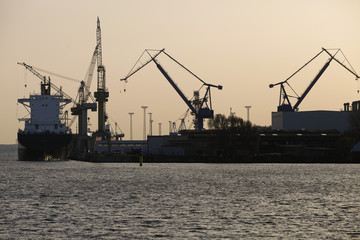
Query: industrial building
311	120
316	120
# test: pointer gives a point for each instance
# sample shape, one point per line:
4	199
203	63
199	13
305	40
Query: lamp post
144	133
150	124
159	129
248	112
131	128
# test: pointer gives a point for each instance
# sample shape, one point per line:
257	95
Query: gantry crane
284	100
200	107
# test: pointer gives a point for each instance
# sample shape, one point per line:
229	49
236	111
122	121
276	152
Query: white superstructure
45	114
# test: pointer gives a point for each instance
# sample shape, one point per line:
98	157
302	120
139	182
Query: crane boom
301	98
90	72
43	78
32	70
173	84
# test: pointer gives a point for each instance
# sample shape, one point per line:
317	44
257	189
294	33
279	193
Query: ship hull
45	146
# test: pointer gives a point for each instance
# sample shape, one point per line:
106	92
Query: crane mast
98	43
101	95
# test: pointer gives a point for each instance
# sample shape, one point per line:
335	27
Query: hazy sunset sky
243	45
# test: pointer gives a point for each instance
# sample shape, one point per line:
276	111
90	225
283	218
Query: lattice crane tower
101	95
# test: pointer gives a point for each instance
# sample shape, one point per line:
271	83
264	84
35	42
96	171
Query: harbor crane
80	108
101	95
284	100
200	107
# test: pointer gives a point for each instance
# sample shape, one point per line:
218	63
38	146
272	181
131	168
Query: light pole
131	128
248	112
144	133
150	124
159	129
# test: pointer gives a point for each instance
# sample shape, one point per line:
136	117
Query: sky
243	45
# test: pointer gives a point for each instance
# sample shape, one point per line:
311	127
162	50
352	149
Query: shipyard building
315	120
311	120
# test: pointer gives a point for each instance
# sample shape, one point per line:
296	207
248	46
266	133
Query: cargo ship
45	135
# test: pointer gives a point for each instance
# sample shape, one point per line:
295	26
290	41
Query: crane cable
17	94
185	68
351	69
55	74
349	63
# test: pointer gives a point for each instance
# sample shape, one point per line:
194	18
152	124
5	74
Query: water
79	200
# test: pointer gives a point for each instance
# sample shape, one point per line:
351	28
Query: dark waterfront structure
266	146
303	146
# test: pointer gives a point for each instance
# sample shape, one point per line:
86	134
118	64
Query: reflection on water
79	200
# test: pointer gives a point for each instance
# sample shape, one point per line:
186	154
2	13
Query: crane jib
177	89
312	83
43	78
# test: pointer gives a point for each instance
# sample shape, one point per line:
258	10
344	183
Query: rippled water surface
79	200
